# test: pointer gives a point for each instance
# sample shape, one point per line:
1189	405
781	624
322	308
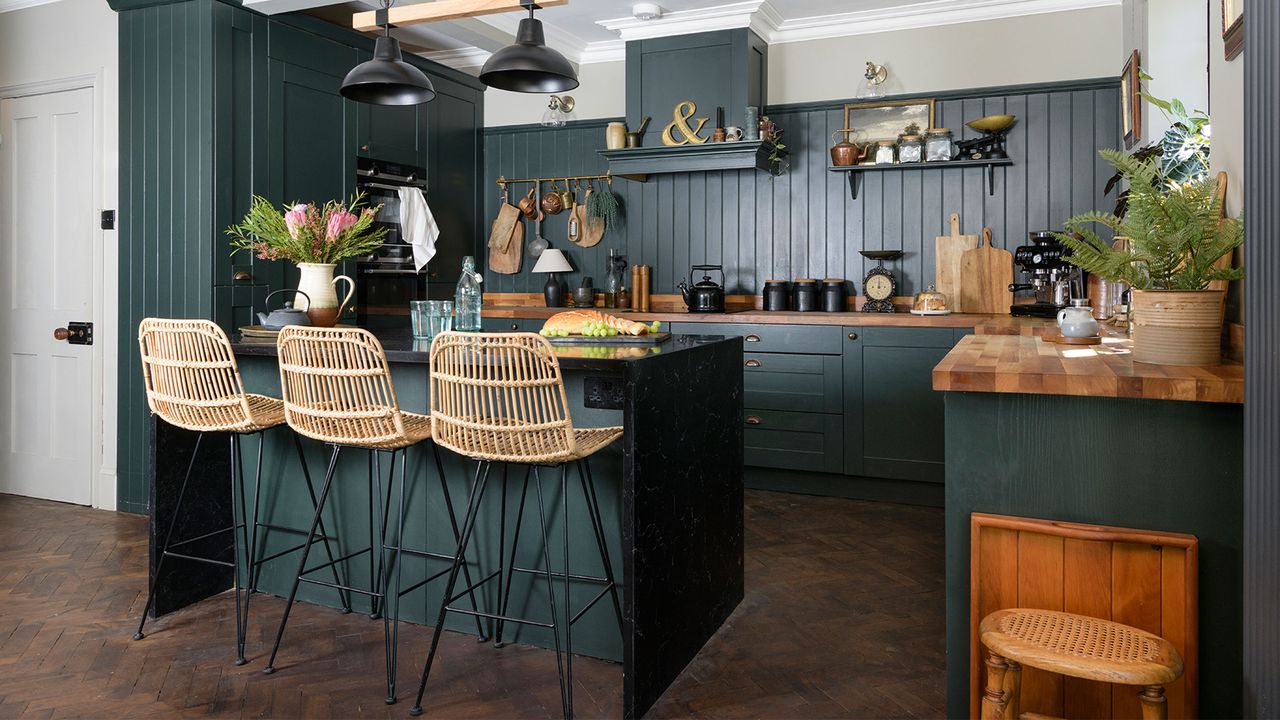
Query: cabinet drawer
506	325
779	381
909	337
793	441
819	339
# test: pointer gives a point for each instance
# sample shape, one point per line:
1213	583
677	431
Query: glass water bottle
467	300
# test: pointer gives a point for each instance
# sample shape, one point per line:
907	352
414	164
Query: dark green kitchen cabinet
793	441
901	415
219	103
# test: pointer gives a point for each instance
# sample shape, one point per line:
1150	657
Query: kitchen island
670	493
1085	435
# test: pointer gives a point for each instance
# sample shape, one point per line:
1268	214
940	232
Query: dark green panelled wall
218	103
804	223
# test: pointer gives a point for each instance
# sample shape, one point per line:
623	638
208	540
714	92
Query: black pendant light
529	66
387	79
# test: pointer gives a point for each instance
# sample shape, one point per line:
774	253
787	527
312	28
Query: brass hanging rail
503	182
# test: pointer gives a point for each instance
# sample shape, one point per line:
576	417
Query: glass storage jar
884	153
910	149
937	145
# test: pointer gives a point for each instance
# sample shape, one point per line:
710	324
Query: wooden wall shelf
855	171
639	163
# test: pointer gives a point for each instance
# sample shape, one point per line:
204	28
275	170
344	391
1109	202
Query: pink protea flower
295	218
339	222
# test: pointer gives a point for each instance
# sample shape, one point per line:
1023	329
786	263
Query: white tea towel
418	226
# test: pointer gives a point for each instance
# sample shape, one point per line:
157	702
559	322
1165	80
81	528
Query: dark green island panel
1148	464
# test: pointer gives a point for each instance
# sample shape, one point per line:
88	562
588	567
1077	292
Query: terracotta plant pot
1178	327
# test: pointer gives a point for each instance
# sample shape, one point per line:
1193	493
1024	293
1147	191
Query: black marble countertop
401	347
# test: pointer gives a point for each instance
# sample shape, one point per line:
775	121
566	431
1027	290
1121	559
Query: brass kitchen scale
879	285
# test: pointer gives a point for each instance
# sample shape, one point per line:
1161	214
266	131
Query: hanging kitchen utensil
552	202
507	262
987	273
503	225
529	204
592	227
577	221
539	243
948	249
567	199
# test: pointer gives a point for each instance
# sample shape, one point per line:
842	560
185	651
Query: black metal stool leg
551	592
380	589
393	647
468	526
511	564
375	470
302	561
343	596
255	565
597	519
568	605
168	536
239	542
453	524
379	599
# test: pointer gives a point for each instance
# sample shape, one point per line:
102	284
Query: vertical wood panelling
1262	376
804	223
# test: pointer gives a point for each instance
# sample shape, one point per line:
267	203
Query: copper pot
552	202
528	206
845	153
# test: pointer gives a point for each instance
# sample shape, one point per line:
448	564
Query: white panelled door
46	260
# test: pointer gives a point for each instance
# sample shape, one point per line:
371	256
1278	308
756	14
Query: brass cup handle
752	338
61	334
241	276
753	420
853	336
753	363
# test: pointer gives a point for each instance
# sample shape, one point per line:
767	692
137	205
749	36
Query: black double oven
386	280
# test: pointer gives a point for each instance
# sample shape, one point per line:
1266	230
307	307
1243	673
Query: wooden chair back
500	397
190	375
336	386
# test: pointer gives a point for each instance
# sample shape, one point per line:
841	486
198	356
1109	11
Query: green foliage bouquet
1175	231
304	233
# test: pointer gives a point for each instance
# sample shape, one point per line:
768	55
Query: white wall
1226	109
1069	45
1036	48
1176	59
602	94
61	40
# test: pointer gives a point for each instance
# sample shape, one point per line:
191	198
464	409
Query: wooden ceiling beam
440	10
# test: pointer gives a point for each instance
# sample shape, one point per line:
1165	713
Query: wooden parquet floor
843	617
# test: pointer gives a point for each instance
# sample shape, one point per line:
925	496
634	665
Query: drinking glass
418	314
439	316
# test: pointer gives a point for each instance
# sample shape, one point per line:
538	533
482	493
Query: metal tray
650	339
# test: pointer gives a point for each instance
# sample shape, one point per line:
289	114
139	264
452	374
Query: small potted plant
316	239
1175	235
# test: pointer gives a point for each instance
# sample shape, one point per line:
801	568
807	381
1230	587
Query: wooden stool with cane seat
1074	645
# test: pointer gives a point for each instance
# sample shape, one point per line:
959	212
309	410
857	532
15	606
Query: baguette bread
572	321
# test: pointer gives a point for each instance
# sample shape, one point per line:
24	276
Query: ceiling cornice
764	20
11	5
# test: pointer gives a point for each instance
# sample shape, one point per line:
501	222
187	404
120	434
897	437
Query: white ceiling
588	31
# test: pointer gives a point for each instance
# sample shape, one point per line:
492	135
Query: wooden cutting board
986	273
948	249
503	227
507	262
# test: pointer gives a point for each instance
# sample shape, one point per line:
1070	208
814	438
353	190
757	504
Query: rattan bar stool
500	398
192	382
337	389
1074	645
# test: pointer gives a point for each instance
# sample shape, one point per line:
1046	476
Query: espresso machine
1052	277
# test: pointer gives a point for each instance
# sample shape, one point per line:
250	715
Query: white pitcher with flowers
316	239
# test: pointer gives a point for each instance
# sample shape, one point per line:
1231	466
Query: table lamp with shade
552	261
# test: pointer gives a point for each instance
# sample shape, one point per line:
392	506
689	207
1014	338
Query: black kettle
707	295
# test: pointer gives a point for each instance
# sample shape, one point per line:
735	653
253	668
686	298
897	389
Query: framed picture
1130	102
1232	28
886	120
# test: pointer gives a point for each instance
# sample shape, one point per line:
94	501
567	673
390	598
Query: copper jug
845	153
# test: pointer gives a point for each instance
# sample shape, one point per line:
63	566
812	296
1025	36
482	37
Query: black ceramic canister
834	295
776	295
804	295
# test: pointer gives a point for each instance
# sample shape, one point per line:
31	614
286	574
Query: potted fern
1175	235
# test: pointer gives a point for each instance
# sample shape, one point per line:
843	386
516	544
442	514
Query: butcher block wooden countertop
1027	364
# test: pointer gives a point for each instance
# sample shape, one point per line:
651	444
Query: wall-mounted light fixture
874	77
559	111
